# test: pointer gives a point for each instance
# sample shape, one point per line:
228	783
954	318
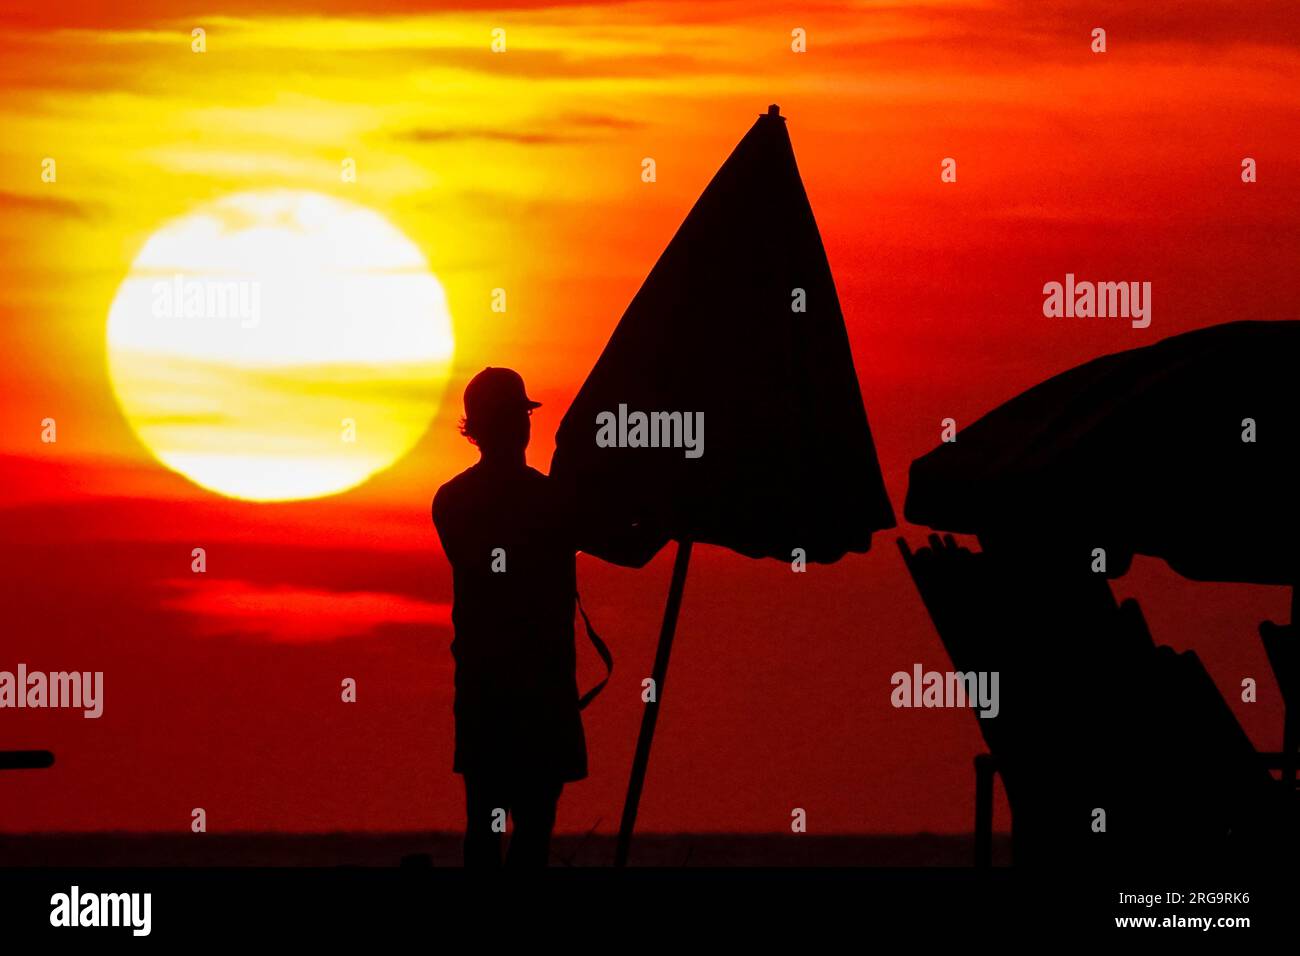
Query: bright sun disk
279	345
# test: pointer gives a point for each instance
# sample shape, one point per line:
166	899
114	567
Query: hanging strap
601	648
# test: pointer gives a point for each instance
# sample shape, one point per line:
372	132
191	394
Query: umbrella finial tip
774	110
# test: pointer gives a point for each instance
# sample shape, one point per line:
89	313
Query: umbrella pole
651	713
1290	718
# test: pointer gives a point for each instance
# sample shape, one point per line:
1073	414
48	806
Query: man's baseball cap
495	390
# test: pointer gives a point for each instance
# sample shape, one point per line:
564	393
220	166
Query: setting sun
279	345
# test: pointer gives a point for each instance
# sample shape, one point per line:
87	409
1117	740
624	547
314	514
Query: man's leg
533	811
483	798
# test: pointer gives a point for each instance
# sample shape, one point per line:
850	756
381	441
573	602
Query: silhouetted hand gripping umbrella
1183	450
738	322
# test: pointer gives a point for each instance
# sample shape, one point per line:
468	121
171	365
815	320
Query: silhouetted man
511	539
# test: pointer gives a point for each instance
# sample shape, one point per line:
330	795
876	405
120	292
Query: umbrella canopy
738	329
1145	452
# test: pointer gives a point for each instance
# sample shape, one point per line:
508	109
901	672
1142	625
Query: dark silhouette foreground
737	326
511	537
1182	450
739	322
1094	715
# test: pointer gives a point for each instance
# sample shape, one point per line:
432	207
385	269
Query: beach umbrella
1182	450
726	403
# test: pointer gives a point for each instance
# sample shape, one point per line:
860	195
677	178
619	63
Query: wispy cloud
297	615
49	205
545	131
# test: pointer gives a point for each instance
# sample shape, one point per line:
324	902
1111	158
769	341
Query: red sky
523	171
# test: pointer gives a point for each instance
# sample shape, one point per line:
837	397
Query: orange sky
521	170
